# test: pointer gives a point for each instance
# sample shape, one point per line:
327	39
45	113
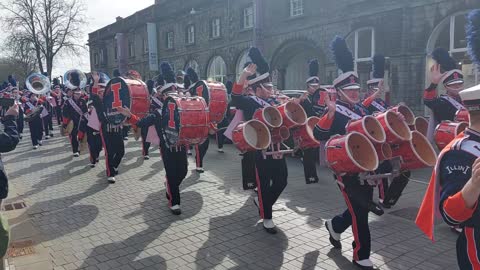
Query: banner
152	46
122	49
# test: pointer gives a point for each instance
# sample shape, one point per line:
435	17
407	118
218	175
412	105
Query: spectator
8	141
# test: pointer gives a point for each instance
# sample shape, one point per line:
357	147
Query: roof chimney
118	19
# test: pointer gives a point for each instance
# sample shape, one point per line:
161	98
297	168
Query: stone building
213	36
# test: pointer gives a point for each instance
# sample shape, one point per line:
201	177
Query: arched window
192	64
362	44
241	63
217	70
450	35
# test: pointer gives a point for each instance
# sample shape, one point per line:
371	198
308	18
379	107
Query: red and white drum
421	125
368	126
416	153
270	116
462	116
215	95
446	131
293	114
351	153
406	112
121	92
185	120
303	135
251	136
280	134
396	130
384	151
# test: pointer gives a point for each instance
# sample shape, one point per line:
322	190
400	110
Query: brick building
213	36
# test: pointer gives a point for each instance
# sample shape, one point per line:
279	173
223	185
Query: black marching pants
200	151
114	149
58	114
309	165
94	140
47	124
36	130
271	181
145	144
356	197
468	248
74	137
249	175
176	168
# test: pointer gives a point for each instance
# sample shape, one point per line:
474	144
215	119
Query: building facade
213	37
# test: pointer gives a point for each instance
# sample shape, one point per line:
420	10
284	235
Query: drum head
398	126
296	113
116	95
361	151
374	129
201	89
170	121
257	135
423	149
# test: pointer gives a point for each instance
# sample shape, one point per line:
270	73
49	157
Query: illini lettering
171	109
117	102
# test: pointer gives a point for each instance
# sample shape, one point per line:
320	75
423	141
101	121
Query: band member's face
312	88
33	98
77	96
454	89
351	95
264	91
70	94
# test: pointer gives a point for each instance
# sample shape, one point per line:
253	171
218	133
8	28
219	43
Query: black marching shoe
375	208
364	267
269	226
335	243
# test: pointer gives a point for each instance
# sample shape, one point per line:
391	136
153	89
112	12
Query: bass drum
185	120
215	95
121	92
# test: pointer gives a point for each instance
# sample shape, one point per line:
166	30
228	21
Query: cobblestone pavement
86	223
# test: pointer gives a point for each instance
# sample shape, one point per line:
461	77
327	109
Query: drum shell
270	116
368	126
293	114
416	153
351	153
421	125
216	97
446	131
406	112
462	116
186	121
303	135
280	134
396	130
384	151
244	143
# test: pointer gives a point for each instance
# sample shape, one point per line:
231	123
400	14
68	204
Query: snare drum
303	135
251	136
462	116
215	95
446	131
185	120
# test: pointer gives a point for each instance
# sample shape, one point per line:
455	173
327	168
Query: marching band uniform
58	97
74	111
35	125
47	119
174	158
358	194
312	108
444	107
454	189
155	104
272	171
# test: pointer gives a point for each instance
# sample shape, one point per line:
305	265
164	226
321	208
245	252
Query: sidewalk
75	220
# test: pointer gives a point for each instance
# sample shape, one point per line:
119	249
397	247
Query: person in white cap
454	188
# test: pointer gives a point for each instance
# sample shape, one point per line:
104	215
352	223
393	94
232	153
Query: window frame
131	48
115	51
298	10
190	39
170	40
245	14
215	28
145	45
212	67
95	58
356	39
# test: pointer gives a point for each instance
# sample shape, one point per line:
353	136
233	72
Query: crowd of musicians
366	142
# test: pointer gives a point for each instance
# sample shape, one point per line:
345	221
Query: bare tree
51	26
20	57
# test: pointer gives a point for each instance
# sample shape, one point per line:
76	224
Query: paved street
84	223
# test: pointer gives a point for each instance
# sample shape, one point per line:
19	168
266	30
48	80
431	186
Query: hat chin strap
349	100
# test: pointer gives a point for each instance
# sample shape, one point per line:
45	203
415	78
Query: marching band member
454	187
154	105
444	107
200	149
73	110
174	158
58	97
47	119
272	172
20	118
222	126
312	108
35	125
358	196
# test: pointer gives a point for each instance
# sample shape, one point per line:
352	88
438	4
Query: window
103	56
241	63
170	40
95	59
115	53
215	31
248	17
362	44
296	8
192	64
131	49
145	45
217	70
191	34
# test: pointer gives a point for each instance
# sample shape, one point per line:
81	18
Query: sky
99	13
